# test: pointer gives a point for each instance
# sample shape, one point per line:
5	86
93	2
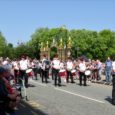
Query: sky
19	19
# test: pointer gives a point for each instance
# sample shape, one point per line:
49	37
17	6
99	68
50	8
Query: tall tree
3	45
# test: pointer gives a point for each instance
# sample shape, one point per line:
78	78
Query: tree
3	45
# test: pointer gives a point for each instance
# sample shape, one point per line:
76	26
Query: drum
87	72
73	71
29	72
62	73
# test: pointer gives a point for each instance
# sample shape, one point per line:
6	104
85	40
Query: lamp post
60	47
47	49
65	42
69	45
41	49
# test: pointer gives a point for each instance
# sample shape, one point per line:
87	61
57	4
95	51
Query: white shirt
43	65
69	65
82	67
61	65
15	64
5	62
113	65
23	65
56	64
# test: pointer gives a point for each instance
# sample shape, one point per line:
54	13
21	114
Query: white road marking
62	90
85	97
41	84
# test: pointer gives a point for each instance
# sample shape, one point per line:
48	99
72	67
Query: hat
44	55
56	55
23	56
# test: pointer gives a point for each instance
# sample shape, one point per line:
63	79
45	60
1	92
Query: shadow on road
108	98
25	109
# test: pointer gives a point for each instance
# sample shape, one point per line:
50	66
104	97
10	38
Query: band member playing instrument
16	70
35	68
69	66
52	70
23	65
45	69
56	66
62	72
82	68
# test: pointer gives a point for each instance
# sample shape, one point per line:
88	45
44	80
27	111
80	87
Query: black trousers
24	76
113	90
45	75
57	77
16	74
40	71
35	70
53	73
2	109
69	74
82	76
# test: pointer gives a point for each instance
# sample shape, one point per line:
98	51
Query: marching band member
82	68
62	72
16	70
35	68
69	66
45	69
23	64
52	70
56	66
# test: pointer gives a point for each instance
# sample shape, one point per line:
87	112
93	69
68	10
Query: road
69	99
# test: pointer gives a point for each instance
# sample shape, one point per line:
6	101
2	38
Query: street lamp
65	42
69	45
41	49
60	47
47	49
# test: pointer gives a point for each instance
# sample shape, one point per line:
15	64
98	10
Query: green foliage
53	52
3	45
92	44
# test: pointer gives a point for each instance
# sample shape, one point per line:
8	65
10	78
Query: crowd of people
20	69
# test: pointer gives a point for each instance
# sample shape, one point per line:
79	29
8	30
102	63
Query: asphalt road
69	99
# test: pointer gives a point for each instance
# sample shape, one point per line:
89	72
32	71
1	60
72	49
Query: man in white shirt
56	67
45	69
23	65
16	70
69	66
82	68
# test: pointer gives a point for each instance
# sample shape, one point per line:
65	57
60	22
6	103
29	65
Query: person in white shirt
45	69
113	67
56	67
23	65
69	66
16	70
82	68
